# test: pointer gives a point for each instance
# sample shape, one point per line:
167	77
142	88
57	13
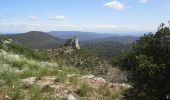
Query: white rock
100	79
47	64
71	97
94	78
60	70
70	75
13	56
89	76
28	81
123	85
126	86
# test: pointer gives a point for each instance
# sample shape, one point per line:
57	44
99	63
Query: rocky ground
28	79
75	87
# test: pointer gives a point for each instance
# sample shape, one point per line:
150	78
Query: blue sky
104	16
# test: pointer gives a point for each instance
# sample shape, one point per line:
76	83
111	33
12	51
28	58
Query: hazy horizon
136	34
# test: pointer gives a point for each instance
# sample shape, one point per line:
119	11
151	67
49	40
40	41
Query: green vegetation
149	65
83	90
9	46
73	80
16	67
104	90
61	77
83	59
35	93
106	49
47	89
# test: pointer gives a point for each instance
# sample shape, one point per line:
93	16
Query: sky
103	16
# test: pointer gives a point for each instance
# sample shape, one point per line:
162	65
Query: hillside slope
87	62
36	40
22	78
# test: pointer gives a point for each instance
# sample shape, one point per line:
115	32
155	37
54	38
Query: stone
89	76
47	64
74	42
100	79
71	97
123	85
28	82
94	78
70	75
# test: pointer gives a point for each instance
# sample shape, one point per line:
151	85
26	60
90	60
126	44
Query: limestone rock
71	97
90	76
28	82
74	42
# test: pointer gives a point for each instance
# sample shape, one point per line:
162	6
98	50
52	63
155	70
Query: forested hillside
106	49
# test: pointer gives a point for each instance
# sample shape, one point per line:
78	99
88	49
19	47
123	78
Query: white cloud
57	17
143	1
38	26
120	28
33	17
4	16
46	26
115	4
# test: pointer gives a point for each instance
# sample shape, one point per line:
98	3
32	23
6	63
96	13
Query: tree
149	64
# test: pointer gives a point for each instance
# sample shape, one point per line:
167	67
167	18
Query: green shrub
16	93
36	93
73	80
83	90
61	77
104	90
47	89
148	62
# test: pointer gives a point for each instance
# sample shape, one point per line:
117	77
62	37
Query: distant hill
83	36
93	37
120	39
36	40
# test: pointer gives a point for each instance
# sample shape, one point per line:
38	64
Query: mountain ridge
93	36
83	36
36	39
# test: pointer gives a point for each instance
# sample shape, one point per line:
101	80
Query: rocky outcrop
74	42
